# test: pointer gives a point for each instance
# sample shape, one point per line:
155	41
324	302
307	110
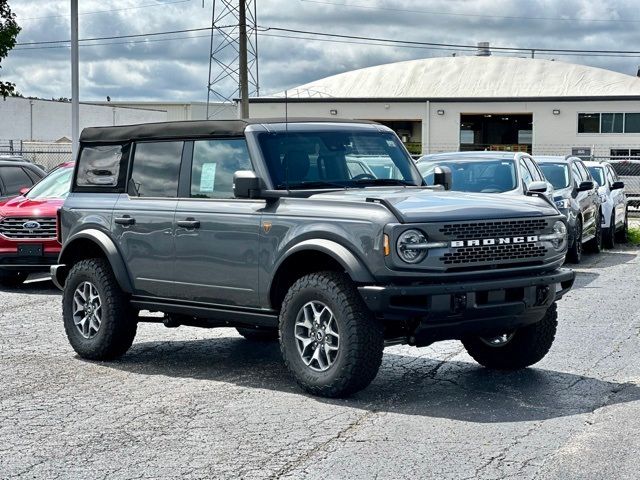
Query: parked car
17	175
28	234
19	158
628	171
576	196
613	202
489	172
281	240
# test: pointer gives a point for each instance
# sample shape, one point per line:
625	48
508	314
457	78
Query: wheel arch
311	256
91	243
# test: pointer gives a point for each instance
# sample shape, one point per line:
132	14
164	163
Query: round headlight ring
403	246
559	228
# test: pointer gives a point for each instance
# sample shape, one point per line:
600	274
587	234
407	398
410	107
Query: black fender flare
107	245
352	265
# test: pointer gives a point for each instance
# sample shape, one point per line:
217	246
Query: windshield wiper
312	184
383	181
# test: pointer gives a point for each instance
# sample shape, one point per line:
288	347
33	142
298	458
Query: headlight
411	246
563	203
558	238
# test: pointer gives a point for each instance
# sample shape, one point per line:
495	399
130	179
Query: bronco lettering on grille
494	241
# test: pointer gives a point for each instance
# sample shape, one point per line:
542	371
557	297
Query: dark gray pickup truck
319	233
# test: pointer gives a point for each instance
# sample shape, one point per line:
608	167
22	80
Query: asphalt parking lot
192	403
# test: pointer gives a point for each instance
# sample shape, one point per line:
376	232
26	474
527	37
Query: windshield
556	173
598	174
484	176
330	159
54	185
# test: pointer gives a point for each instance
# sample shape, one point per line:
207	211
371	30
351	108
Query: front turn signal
387	248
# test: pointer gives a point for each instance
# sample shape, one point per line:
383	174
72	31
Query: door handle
189	223
125	220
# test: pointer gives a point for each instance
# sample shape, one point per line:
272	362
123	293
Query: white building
184	110
23	119
483	102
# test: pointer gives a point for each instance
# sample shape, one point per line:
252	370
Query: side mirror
24	190
538	187
246	184
617	185
442	176
584	186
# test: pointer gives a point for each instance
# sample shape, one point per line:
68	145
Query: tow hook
542	294
459	302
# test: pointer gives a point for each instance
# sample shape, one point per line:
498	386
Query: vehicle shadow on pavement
605	259
38	287
406	384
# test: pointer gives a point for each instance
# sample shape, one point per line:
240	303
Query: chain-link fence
47	155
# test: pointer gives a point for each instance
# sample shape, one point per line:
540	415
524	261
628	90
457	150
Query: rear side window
156	169
100	165
14	179
214	163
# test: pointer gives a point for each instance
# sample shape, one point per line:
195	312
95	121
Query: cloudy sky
174	67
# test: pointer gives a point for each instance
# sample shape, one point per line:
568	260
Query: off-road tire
609	234
528	345
10	278
361	336
595	244
258	335
119	320
621	235
574	253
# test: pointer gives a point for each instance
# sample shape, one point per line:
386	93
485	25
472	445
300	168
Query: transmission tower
234	43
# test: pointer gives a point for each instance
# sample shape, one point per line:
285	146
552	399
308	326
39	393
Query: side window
214	163
527	178
156	169
100	166
577	176
584	171
611	175
14	178
535	171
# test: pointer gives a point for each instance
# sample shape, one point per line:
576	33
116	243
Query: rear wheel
330	341
98	319
516	349
609	234
259	335
595	244
621	235
574	254
10	278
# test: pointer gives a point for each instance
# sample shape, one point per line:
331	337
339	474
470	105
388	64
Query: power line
474	15
390	41
105	11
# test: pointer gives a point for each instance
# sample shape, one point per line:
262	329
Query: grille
503	228
492	253
14	228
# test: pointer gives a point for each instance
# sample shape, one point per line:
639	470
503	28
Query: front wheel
595	244
609	234
330	341
517	349
98	319
621	235
574	253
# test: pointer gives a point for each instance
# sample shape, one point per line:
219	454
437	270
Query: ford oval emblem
31	225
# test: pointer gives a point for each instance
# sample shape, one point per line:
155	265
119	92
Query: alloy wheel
317	336
87	309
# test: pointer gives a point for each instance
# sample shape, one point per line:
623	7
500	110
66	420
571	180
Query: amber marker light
387	248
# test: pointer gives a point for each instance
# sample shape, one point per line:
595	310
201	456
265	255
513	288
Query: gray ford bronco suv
319	233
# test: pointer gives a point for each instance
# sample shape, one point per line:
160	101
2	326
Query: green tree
9	30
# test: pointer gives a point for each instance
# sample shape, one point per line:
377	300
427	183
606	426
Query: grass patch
634	235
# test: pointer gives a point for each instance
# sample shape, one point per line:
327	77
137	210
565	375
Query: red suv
28	227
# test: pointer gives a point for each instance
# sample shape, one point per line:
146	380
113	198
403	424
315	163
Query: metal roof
471	77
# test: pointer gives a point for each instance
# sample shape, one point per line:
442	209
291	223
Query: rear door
143	217
217	235
587	199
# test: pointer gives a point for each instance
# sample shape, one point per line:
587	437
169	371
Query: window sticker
391	143
208	177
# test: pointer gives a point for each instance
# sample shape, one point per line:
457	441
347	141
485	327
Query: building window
632	123
588	123
625	152
612	123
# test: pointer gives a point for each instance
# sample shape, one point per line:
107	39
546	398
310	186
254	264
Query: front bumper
28	263
449	311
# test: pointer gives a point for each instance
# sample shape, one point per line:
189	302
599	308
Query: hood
422	205
23	207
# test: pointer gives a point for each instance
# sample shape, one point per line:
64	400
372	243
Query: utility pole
75	99
242	61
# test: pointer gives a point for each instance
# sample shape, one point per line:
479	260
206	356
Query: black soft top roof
188	129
